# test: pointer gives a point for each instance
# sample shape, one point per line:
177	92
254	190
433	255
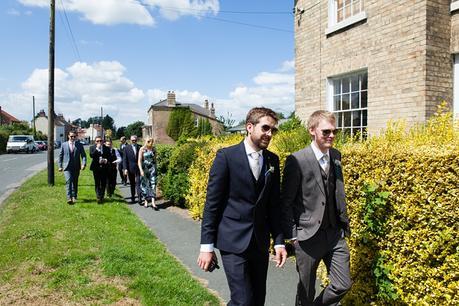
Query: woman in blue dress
147	166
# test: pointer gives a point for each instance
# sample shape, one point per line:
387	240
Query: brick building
371	61
159	113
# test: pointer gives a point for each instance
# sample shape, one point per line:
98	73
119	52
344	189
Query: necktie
325	164
71	147
255	165
134	149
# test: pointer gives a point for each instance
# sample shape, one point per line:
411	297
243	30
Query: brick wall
404	45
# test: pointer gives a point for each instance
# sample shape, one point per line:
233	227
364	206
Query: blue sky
124	55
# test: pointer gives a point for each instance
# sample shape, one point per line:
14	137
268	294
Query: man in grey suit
72	158
314	213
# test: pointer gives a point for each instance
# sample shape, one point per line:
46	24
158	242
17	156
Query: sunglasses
266	128
134	140
72	136
98	140
327	133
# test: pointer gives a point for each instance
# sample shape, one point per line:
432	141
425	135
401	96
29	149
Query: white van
21	143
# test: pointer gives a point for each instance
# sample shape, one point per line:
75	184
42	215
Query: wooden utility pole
33	118
51	95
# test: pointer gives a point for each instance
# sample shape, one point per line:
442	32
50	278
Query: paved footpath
181	235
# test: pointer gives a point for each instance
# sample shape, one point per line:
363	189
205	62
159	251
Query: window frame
454	5
334	25
331	107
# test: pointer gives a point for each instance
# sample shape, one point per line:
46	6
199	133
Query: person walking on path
315	215
72	158
113	162
242	210
147	168
123	176
131	168
100	155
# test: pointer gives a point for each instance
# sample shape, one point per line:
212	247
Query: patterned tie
256	169
325	164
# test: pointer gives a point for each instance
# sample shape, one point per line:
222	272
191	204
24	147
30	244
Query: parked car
21	143
42	146
57	144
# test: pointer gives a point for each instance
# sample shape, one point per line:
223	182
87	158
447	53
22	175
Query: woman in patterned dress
147	166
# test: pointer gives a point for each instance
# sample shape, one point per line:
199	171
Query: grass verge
52	253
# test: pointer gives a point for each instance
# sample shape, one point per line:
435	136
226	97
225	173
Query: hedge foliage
402	192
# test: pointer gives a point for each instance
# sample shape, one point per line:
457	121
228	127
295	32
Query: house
370	62
159	113
6	118
61	126
93	131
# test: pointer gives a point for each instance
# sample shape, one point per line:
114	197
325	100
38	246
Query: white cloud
13	12
80	91
110	12
270	89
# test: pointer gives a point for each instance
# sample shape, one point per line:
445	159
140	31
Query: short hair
254	115
108	139
123	138
316	116
134	136
98	137
72	132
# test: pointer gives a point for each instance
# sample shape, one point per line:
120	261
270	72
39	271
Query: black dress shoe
69	201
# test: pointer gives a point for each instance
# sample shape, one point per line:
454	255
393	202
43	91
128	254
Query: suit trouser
111	180
246	275
100	182
121	171
327	245
71	183
134	183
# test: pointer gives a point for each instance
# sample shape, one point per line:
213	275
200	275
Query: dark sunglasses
98	140
134	140
327	133
72	136
266	128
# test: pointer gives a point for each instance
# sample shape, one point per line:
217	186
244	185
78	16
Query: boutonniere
270	170
337	162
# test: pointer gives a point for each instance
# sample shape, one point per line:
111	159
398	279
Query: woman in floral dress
147	166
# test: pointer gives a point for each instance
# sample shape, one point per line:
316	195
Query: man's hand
125	172
60	169
281	256
142	173
205	259
83	167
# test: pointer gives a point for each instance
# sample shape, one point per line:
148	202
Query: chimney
171	98
206	104
212	110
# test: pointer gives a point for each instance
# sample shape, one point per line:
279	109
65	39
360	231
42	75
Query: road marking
5	160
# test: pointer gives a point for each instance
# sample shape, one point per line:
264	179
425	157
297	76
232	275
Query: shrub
175	183
3	140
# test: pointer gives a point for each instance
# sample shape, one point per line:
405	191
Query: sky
125	55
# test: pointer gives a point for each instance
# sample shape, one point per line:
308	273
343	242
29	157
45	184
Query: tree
227	121
134	129
108	123
280	116
204	127
120	132
181	124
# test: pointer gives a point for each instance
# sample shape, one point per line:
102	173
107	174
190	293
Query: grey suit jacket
65	155
303	195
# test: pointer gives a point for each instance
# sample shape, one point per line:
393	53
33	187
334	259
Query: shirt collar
249	150
317	151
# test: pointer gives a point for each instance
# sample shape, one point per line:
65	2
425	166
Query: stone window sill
346	22
454	6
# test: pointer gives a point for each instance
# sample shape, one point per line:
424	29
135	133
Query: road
15	168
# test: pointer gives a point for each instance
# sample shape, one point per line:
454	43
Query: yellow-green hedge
402	192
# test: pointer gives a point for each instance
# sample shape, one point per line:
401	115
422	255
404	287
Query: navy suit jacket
130	159
96	155
65	156
237	207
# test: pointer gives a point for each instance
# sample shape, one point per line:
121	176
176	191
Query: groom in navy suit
242	211
72	158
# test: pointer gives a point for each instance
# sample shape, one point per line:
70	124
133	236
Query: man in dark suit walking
131	168
100	155
315	214
242	210
72	158
120	165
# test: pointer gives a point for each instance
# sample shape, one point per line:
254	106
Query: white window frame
330	101
334	26
454	5
456	87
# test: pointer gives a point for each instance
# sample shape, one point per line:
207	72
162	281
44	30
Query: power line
227	20
75	46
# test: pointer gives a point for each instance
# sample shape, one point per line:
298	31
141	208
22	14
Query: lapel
314	165
245	162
